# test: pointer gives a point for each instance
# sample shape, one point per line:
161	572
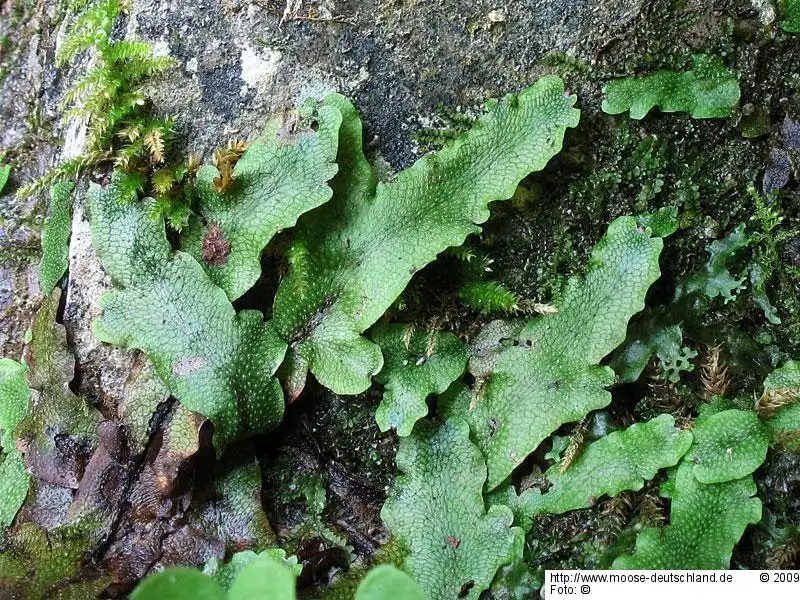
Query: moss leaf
55	236
436	509
622	460
707	91
791	23
365	245
489	297
706	521
387	582
728	445
552	375
214	361
416	364
279	177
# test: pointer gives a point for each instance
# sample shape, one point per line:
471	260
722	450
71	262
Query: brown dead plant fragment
130	133
453	542
408	335
616	513
478	391
650	510
290	126
154	141
225	160
194	162
544	309
576	444
430	346
216	248
772	400
667	400
714	374
785	556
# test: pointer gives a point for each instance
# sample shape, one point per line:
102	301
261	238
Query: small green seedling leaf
214	361
387	582
416	364
264	578
663	222
55	236
758	291
178	583
560	443
436	509
551	375
717	279
728	445
224	573
707	91
14	397
5	171
650	335
706	521
364	245
780	406
280	176
622	460
791	23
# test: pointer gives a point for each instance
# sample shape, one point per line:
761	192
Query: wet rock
790	253
789	134
777	171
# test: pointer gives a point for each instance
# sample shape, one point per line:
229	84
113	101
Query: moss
326	470
346	425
